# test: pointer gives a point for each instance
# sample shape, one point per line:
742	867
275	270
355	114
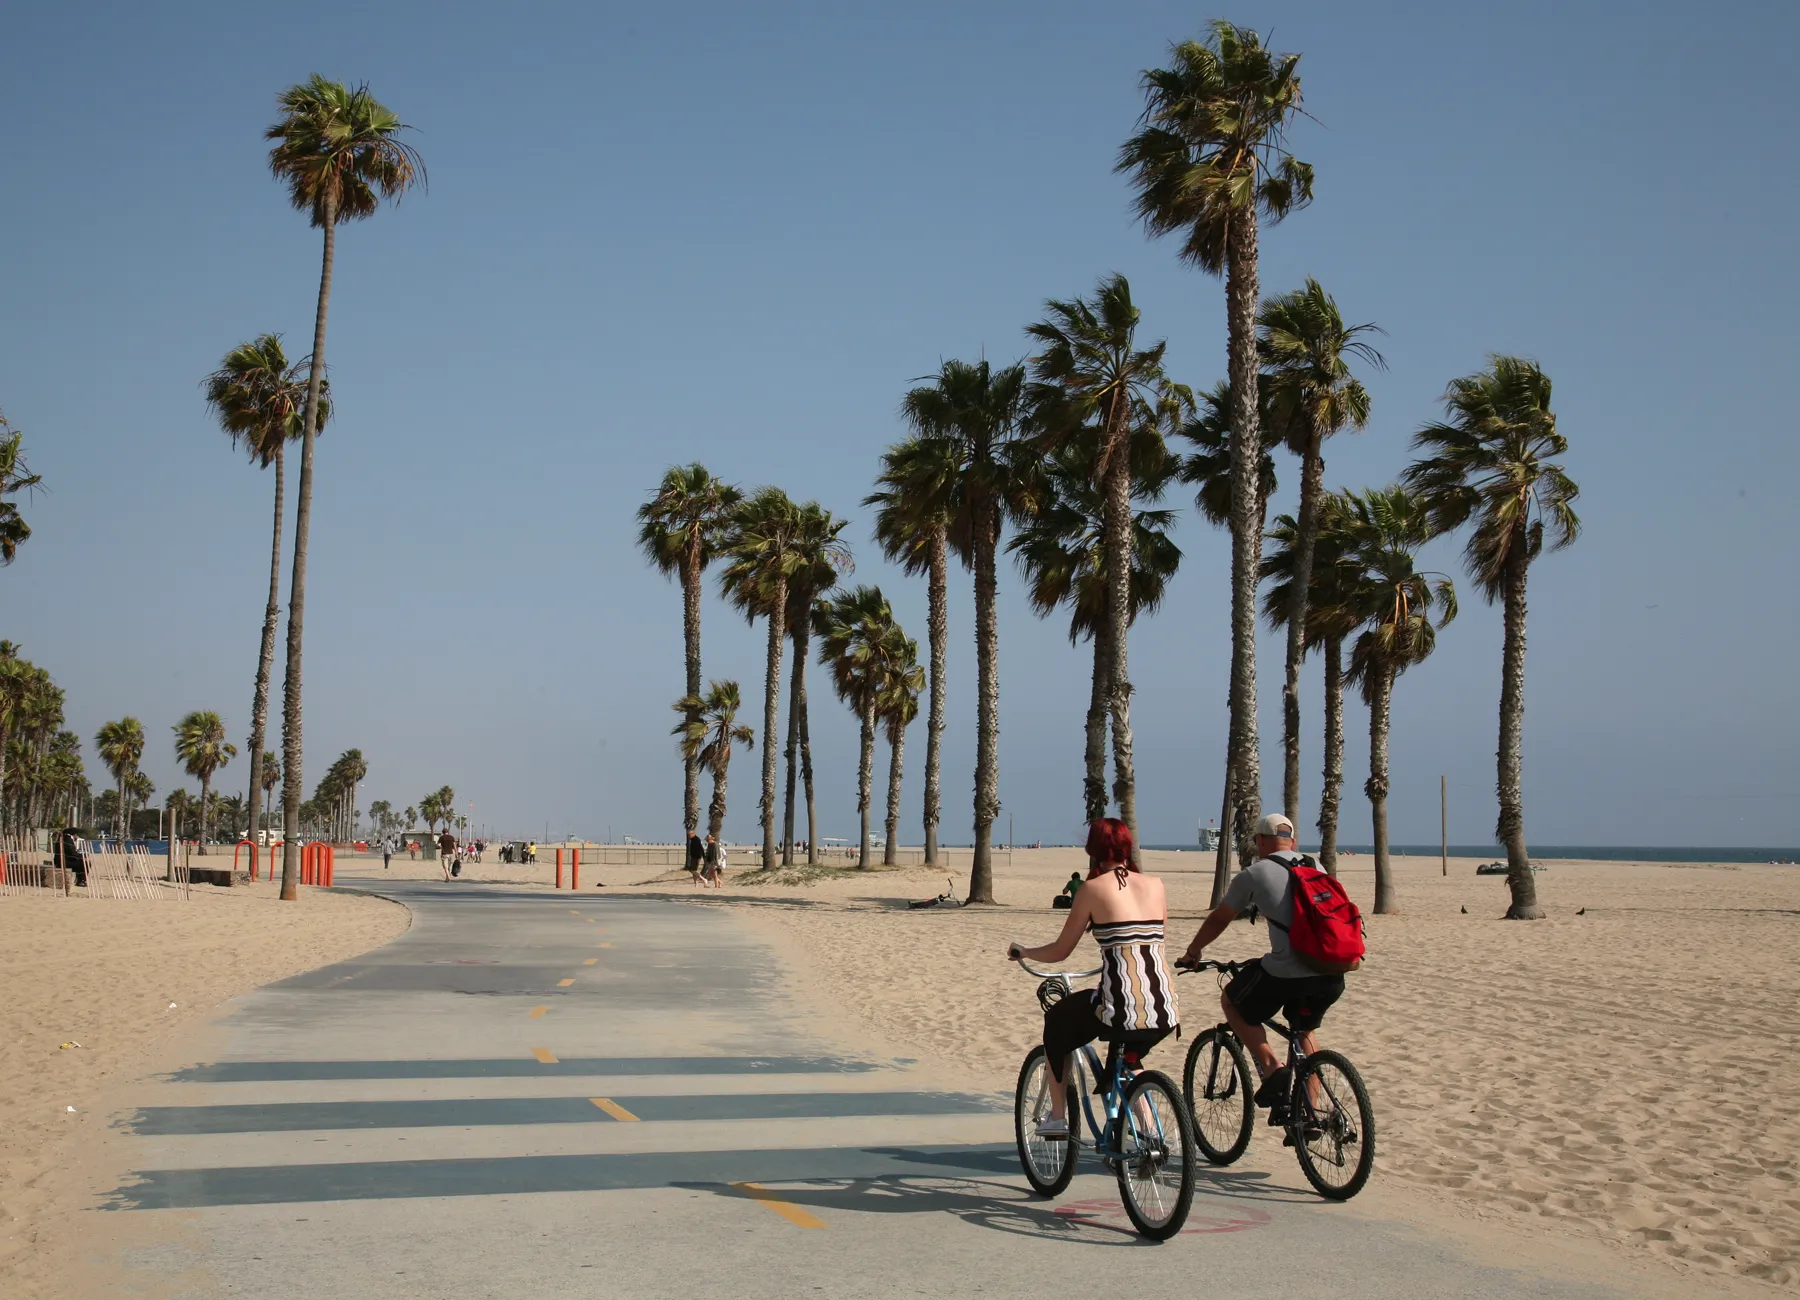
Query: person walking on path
696	855
446	851
713	856
387	852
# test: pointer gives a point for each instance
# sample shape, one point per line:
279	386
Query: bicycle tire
1156	1184
1324	1155
1039	1160
1219	1103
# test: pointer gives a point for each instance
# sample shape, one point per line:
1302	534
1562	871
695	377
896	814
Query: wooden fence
111	871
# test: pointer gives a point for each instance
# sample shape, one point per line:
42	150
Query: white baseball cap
1275	824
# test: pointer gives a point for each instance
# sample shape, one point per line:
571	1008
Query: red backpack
1327	932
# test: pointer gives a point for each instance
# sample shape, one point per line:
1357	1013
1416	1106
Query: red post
559	868
2	868
330	865
574	868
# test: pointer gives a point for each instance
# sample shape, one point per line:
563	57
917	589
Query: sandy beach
1618	1070
120	980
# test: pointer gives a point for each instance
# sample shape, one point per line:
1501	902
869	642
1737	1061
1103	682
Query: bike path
545	1095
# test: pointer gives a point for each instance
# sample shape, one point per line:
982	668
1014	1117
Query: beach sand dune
1628	1072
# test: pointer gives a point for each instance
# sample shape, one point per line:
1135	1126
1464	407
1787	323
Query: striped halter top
1135	989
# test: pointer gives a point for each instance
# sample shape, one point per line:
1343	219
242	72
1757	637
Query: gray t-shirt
1267	884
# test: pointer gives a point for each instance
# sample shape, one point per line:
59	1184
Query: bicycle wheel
1332	1126
1216	1085
1156	1144
1048	1165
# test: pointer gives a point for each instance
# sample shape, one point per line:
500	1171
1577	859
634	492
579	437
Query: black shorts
1073	1023
1258	995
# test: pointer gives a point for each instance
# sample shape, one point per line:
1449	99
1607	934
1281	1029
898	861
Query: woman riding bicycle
1127	911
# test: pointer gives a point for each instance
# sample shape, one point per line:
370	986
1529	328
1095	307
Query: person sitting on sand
1066	898
1136	997
1279	981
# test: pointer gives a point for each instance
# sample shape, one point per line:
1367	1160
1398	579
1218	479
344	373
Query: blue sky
737	234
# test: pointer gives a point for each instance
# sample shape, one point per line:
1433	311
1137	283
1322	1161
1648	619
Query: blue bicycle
1143	1132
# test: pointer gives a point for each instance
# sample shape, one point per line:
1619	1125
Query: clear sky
738	233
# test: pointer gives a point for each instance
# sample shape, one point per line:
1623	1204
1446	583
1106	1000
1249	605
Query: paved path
533	1096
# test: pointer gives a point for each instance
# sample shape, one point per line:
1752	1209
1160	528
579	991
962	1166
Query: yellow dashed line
537	1013
792	1213
613	1108
544	1055
590	961
563	984
606	945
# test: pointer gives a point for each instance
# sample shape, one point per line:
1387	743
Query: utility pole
1444	821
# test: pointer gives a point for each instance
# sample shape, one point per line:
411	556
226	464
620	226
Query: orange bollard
330	865
559	868
574	868
2	868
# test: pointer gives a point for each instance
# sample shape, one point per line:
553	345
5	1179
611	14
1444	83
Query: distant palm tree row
1070	446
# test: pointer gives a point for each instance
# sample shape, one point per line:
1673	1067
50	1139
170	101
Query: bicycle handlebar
1048	974
1194	968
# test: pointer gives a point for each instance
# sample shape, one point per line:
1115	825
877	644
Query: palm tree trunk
772	715
796	692
938	630
896	754
987	703
1511	829
124	814
1246	522
1331	789
1381	696
865	778
291	740
1093	781
1306	536
715	815
1222	863
5	739
1117	527
806	779
205	811
690	629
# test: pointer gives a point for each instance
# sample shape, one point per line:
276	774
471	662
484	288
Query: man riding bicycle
1279	982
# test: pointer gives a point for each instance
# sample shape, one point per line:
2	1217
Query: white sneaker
1050	1129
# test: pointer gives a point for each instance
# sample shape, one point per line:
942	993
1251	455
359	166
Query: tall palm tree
979	411
1385	527
339	153
1493	463
1209	160
15	477
708	730
1306	349
897	706
1092	381
271	777
824	558
1209	468
915	501
121	747
763	558
259	399
1331	617
1062	553
678	531
857	643
200	745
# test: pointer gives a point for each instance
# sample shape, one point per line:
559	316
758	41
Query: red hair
1109	844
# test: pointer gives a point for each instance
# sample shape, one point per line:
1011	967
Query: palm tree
338	152
914	506
823	559
17	680
679	529
14	478
200	745
260	399
897	705
1492	463
431	808
1093	382
1306	348
1062	553
1209	467
1208	161
121	748
138	791
708	730
1385	527
979	410
271	777
1331	617
857	642
761	544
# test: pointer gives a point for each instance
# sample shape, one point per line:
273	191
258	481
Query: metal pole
1444	821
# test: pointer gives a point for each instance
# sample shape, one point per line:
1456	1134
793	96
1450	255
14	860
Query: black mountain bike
1325	1108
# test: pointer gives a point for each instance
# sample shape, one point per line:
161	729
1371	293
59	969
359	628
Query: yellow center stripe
537	1013
590	961
544	1055
792	1213
613	1108
563	984
606	945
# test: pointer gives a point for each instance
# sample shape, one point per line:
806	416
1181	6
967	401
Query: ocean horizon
1550	852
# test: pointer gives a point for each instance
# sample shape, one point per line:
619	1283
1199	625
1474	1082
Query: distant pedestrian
446	851
387	852
713	855
412	850
696	855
